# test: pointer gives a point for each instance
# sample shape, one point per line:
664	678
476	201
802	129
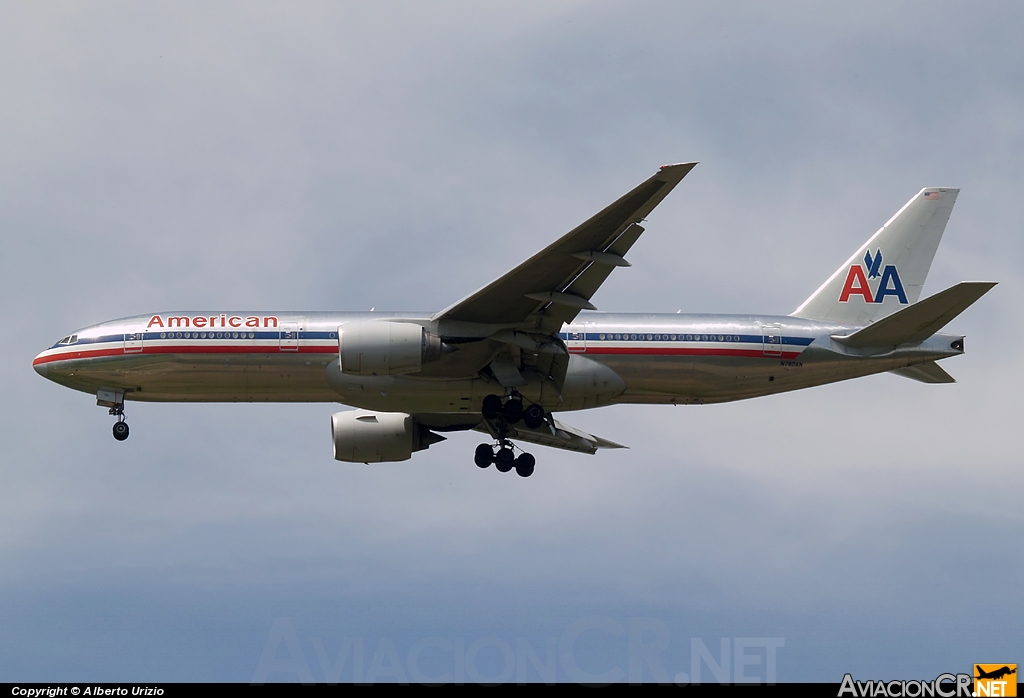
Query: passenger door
133	342
772	338
289	336
577	338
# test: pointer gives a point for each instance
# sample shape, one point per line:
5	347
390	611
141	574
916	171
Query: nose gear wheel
120	429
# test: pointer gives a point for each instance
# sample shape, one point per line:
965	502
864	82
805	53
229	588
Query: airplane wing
551	287
556	435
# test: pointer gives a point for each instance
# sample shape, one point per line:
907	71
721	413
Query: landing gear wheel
504	459
120	430
484	455
533	416
513	410
491	407
524	465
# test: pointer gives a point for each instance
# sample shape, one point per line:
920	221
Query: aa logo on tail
858	284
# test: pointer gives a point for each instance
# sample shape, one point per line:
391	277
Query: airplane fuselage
509	356
614	358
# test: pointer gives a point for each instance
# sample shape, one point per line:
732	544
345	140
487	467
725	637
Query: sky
333	156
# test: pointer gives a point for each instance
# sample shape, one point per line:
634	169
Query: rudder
889	270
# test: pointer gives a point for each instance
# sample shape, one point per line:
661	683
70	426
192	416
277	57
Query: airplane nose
39	367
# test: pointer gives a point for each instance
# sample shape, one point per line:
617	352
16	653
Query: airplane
996	674
509	356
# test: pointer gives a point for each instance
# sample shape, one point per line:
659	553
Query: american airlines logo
222	320
858	284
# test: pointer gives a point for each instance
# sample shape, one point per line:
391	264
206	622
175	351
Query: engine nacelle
385	348
361	436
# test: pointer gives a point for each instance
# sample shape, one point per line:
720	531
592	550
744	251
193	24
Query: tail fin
888	271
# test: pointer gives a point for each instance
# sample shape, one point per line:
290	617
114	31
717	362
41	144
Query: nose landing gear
114	399
121	429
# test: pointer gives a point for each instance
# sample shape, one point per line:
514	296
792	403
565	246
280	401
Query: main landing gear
504	458
502	414
513	411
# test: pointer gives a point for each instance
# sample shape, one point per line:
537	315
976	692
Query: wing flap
586	284
556	435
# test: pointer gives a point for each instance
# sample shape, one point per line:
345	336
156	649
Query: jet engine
361	436
385	348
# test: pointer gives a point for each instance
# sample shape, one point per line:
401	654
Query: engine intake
361	436
385	348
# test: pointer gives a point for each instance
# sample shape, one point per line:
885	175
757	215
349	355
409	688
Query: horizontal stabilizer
921	320
556	435
929	372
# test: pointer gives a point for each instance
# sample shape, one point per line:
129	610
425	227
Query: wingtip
986	286
673	165
938	190
674	173
605	443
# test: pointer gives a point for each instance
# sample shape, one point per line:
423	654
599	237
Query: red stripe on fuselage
150	350
182	349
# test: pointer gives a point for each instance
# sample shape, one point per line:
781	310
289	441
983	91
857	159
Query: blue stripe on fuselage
676	337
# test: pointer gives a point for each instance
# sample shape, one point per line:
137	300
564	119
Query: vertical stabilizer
888	271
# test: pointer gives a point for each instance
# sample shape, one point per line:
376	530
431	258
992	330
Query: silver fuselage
614	358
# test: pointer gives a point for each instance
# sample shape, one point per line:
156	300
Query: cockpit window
74	338
65	340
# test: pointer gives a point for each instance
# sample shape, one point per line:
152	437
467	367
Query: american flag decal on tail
933	195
